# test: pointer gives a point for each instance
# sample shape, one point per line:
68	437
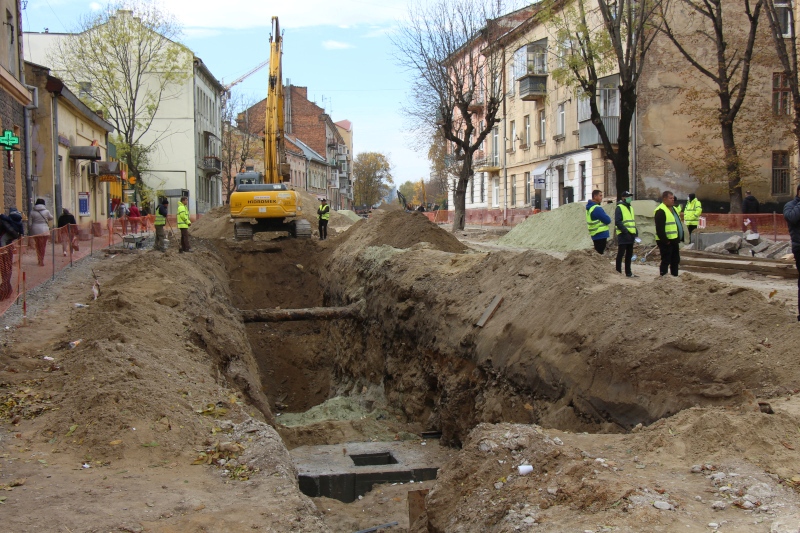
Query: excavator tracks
243	231
301	229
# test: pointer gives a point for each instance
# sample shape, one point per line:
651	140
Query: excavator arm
275	166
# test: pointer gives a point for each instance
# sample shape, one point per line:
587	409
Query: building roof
345	125
310	154
204	69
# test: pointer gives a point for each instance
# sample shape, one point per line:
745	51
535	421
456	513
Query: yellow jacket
183	216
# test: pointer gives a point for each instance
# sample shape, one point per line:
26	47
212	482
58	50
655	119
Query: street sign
538	182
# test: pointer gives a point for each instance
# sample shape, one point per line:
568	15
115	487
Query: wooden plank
416	505
741	265
489	311
730	272
729	257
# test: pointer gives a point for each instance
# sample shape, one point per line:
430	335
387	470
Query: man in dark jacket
625	222
750	206
69	231
161	221
669	234
791	212
597	221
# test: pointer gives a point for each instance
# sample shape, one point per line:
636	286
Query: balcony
533	87
476	105
212	164
486	164
589	136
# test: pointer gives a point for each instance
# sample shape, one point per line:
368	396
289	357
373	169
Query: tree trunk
622	158
732	166
460	195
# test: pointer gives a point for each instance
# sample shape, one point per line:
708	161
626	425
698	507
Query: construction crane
243	77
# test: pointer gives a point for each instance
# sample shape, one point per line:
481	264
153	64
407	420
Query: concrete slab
704	240
347	471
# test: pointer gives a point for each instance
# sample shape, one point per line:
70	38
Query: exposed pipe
56	158
28	159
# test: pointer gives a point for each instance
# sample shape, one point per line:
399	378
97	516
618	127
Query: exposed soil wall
571	346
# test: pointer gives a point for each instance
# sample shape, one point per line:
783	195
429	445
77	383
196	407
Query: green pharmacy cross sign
8	141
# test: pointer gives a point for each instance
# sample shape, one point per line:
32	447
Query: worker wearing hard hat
669	233
597	221
324	214
625	222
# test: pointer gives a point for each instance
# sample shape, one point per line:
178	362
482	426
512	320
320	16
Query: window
527	122
513	135
607	105
483	187
527	188
561	124
564	52
12	58
480	130
781	94
780	173
531	59
784	17
472	189
582	177
496	192
513	190
510	80
495	151
542	127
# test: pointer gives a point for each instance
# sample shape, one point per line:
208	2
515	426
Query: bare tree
125	61
699	31
598	38
238	144
781	17
455	87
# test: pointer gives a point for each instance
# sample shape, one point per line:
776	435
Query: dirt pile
564	228
349	214
681	474
572	345
401	230
215	224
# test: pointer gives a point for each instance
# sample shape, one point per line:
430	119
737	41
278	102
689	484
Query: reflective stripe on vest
595	226
671	227
326	212
628	219
692	212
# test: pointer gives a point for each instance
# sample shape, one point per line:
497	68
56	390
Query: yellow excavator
264	202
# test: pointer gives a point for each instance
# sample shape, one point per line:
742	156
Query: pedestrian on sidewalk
135	217
627	234
791	212
184	223
324	214
691	215
40	228
669	234
750	206
159	223
69	231
597	220
11	229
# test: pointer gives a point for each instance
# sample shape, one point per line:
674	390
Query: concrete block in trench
347	471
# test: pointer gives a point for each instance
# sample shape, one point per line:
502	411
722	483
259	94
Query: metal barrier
34	259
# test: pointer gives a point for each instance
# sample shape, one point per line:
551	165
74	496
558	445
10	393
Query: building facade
68	143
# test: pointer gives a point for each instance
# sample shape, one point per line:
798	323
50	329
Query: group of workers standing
669	228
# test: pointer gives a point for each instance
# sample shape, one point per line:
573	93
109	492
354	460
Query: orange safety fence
769	225
32	260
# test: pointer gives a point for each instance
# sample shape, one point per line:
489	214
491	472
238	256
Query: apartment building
185	132
545	151
345	163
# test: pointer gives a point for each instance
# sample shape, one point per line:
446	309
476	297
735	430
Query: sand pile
401	230
215	224
564	228
349	214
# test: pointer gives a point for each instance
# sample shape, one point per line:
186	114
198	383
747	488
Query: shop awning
91	153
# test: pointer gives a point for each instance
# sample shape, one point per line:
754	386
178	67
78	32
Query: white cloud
95	6
302	13
336	45
200	33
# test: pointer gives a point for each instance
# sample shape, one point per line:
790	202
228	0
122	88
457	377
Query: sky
340	50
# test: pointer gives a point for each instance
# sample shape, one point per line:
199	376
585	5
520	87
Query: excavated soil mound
681	474
401	230
572	345
215	224
349	214
123	373
564	228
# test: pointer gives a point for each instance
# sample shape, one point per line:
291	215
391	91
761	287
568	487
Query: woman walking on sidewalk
40	228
